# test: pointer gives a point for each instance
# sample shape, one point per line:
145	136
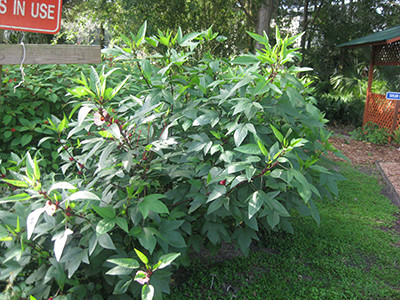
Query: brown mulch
361	153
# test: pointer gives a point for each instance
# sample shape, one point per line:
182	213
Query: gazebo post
369	88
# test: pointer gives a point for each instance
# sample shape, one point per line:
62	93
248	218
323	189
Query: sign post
396	97
1	66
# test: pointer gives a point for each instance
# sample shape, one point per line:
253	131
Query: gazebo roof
378	38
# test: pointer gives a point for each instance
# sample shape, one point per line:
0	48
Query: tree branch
246	12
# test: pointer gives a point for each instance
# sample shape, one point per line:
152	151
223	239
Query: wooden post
369	88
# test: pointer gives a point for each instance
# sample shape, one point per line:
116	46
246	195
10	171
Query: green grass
349	256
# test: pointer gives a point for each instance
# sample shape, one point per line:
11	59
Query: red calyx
222	182
12	129
71	159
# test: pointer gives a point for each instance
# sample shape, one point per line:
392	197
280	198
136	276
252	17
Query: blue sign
392	96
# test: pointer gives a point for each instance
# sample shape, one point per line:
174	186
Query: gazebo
385	45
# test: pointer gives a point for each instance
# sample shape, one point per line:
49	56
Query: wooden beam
49	54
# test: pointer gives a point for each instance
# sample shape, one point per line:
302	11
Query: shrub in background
372	133
201	150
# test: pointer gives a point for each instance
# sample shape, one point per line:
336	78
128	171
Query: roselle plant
202	150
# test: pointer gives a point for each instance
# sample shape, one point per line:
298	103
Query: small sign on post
393	96
42	16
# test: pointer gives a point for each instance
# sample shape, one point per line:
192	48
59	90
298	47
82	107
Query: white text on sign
37	10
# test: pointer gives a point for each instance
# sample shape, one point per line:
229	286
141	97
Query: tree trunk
304	26
264	18
102	35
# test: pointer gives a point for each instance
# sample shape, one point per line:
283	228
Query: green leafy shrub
396	136
372	133
26	107
200	151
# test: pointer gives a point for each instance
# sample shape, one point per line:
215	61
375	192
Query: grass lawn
353	254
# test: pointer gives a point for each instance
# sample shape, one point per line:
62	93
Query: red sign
31	15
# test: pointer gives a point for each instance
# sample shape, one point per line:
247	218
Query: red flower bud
81	165
71	159
12	129
222	182
79	172
46	122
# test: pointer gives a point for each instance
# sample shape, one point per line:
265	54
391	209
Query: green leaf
104	212
304	186
122	223
147	292
258	38
142	257
59	242
83	195
62	185
17	183
7	119
122	286
256	200
119	270
147	239
278	207
140	37
128	263
62	124
105	134
218	191
167	259
263	149
175	239
246	59
151	203
240	135
314	212
273	219
106	242
32	219
26	139
277	134
15	198
83	112
105	226
249	149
